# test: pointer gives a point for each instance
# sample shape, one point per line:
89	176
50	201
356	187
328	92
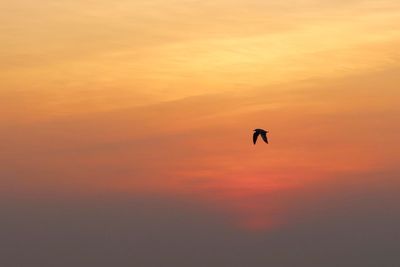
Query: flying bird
261	132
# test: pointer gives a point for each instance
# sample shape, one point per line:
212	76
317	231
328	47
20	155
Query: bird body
261	132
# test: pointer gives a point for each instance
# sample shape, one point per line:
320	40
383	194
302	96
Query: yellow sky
75	56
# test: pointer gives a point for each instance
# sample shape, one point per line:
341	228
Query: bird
261	132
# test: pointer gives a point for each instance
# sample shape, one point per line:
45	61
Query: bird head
256	130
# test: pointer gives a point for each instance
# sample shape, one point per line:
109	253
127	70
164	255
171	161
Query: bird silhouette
261	132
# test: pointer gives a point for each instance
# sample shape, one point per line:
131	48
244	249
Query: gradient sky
126	130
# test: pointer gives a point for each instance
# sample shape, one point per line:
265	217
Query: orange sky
162	96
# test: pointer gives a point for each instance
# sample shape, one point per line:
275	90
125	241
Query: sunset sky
126	133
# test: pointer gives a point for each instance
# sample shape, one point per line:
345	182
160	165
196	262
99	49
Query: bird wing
264	137
255	135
